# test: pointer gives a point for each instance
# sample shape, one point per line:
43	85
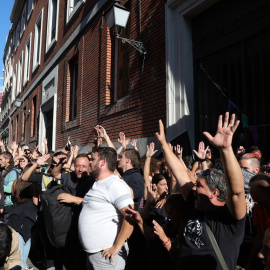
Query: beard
95	173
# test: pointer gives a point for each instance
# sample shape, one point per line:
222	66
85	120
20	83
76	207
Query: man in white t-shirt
103	225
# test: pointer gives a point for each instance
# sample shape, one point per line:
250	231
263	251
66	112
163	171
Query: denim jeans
24	248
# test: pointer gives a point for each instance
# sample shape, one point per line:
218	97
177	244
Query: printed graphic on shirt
193	232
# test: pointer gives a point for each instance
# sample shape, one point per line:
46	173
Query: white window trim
19	79
35	63
49	41
26	55
71	13
14	84
23	23
29	11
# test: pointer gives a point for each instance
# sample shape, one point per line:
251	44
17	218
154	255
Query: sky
5	11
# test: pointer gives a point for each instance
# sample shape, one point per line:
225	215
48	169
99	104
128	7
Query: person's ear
215	193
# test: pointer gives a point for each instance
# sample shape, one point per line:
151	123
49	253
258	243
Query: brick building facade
80	75
69	79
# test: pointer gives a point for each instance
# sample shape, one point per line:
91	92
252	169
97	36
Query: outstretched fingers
226	119
236	124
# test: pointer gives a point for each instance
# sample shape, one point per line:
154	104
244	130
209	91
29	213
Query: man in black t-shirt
81	182
218	201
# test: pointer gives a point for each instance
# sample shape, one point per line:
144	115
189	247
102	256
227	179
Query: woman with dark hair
162	251
24	214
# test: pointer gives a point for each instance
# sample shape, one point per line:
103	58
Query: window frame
23	21
73	88
17	35
14	81
30	10
35	50
27	54
19	77
70	13
49	40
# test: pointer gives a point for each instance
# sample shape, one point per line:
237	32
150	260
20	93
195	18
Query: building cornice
16	11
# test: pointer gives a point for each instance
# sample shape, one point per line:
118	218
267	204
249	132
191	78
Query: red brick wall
137	115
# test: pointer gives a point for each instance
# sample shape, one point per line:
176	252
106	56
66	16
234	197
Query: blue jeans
24	248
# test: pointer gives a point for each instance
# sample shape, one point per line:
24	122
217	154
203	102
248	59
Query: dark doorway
49	127
232	42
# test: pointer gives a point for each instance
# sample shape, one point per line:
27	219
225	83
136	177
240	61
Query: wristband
167	244
201	159
168	241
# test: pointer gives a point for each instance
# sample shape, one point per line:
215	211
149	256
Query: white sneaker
28	268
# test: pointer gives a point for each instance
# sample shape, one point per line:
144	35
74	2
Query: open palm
225	131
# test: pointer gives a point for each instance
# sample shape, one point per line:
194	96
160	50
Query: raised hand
178	151
45	141
201	151
240	150
101	132
152	194
13	145
151	150
123	140
41	148
161	135
42	160
158	230
134	143
225	131
133	214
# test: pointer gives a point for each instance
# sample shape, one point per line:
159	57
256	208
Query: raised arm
101	132
146	169
177	167
56	171
46	145
233	174
201	154
123	141
40	161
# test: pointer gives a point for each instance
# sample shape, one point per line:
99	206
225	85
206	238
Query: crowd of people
114	209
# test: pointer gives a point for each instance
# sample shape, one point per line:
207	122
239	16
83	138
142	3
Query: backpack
57	215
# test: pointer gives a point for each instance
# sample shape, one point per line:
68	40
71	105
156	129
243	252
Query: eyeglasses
209	152
207	173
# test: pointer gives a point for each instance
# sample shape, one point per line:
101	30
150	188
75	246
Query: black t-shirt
196	251
134	179
80	185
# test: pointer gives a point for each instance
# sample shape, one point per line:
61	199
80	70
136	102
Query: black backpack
57	215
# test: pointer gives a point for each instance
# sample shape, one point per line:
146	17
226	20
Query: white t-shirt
101	219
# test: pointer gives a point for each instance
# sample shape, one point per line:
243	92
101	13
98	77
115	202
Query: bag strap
216	247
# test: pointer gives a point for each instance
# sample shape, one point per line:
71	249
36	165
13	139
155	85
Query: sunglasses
208	152
207	173
266	169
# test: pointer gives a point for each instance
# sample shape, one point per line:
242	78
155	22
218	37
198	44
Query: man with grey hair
210	210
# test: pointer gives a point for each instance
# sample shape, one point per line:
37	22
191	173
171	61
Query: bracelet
168	241
168	244
201	159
